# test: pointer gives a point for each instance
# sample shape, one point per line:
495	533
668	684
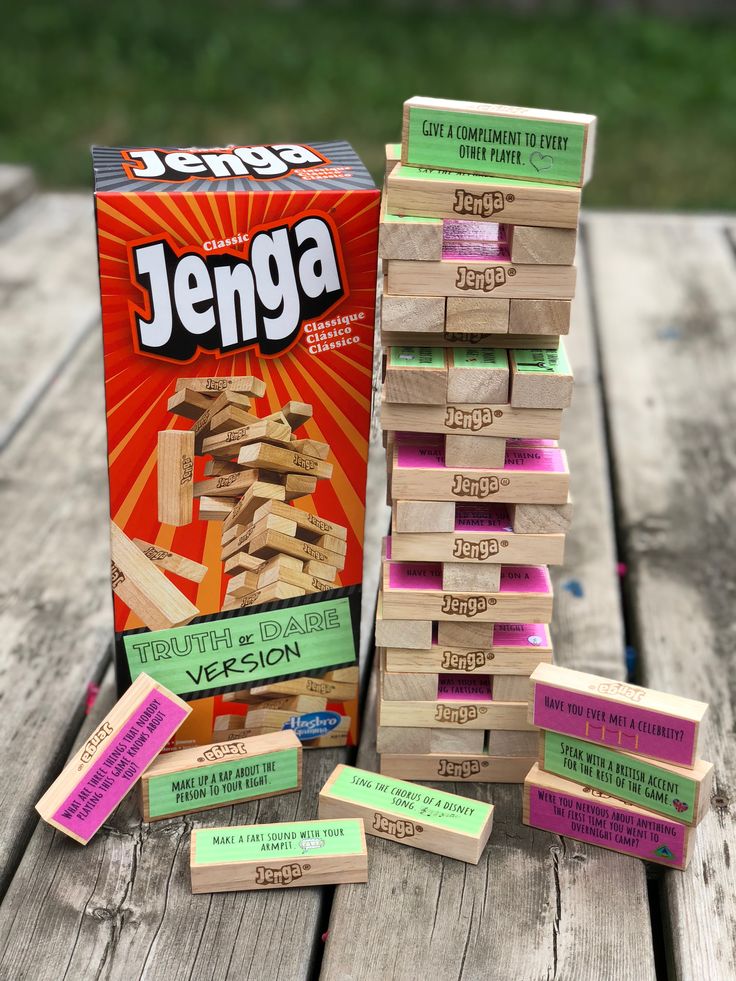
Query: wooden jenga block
278	856
541	246
674	791
416	375
284	460
231	417
333	690
215	508
242	562
475	451
421	516
272	542
180	565
297	413
228	723
279	563
432	820
450	277
276	591
218	468
450	339
245	534
113	759
478	375
144	588
410	191
460	768
493	140
175	469
543	317
510	688
465	634
530	475
188	404
509	743
230	443
402	739
401	633
502	648
477	315
617	714
409	687
332	543
408	238
350	674
310	584
232	485
472	420
311	447
254	497
414	314
296	485
564	808
242	584
243	385
225	400
309	526
393	156
541	379
206	777
468	714
543	519
469	741
321	570
482	533
298	704
471	577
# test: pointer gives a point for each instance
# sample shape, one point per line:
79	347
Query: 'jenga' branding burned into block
237	305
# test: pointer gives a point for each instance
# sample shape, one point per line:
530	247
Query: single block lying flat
458	767
278	856
432	820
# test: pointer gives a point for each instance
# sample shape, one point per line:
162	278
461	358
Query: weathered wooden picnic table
650	571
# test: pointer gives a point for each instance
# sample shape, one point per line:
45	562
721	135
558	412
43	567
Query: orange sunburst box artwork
238	304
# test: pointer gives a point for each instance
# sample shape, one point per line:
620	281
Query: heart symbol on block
540	161
679	805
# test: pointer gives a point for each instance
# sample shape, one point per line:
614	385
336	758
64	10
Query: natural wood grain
671	416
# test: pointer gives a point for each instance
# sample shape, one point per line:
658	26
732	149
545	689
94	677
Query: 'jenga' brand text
282	876
395	827
463	486
466	606
482	280
461	769
457	715
471	419
465	660
483	205
478	549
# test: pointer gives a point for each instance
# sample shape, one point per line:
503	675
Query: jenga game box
238	292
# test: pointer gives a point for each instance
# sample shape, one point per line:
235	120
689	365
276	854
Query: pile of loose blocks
477	290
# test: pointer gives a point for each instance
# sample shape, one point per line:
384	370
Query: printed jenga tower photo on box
238	303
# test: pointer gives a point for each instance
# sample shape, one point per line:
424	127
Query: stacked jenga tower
478	235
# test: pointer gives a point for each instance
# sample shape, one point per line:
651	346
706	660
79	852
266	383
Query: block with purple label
113	759
530	475
510	648
554	804
413	590
617	714
482	533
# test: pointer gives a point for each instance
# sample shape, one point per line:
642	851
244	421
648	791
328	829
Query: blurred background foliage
190	72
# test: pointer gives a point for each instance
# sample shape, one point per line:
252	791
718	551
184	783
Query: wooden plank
413	314
676	404
491	420
393	338
175	468
416	375
283	460
414	191
139	875
529	317
541	379
479	451
242	384
408	238
450	277
478	376
566	896
527	244
188	404
477	314
180	565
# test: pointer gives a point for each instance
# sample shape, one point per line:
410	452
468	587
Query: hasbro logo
313	724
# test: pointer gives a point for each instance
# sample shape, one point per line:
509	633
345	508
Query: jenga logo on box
471	419
465	660
461	769
455	714
463	486
478	550
483	205
398	828
483	280
225	302
223	163
187	469
116	575
283	876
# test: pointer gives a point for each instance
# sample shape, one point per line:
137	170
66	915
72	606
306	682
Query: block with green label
431	820
416	375
478	375
676	792
496	140
205	777
541	379
278	856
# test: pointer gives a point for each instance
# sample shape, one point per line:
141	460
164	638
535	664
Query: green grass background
222	71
